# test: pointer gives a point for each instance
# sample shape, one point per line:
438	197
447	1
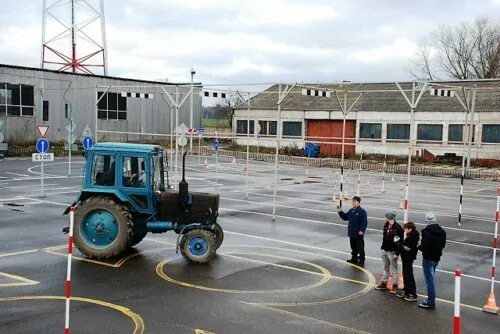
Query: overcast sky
255	41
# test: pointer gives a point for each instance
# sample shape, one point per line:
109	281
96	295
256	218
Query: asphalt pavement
286	275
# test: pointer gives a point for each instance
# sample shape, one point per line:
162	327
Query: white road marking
344	253
17	174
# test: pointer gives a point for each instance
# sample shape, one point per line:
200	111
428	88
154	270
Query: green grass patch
215	123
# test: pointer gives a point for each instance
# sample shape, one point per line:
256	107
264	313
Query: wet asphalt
283	276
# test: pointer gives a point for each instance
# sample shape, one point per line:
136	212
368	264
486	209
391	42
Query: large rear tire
103	228
198	246
138	233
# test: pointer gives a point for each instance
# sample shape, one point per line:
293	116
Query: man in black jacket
408	250
431	246
356	229
389	253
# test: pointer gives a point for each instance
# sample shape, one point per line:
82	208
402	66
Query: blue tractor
123	197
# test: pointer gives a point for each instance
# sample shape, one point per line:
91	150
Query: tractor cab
123	197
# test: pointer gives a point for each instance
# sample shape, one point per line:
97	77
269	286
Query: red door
329	133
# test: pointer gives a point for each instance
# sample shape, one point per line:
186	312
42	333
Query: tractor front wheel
103	228
198	246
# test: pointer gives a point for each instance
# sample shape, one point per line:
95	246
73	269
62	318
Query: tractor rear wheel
198	246
218	235
103	228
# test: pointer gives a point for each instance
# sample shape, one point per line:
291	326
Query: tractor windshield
158	179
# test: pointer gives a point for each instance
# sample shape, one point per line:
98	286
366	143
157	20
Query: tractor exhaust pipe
183	185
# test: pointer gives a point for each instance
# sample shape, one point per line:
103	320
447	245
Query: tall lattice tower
74	36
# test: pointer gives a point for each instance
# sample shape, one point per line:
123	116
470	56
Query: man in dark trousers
356	227
408	250
432	245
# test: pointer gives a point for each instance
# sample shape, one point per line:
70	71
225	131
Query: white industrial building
32	96
379	121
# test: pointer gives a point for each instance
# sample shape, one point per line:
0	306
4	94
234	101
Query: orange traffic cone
390	282
401	284
491	305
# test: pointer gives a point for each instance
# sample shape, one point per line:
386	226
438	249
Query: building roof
94	75
380	97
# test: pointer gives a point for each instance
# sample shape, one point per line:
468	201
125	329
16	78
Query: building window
292	129
241	127
112	106
491	133
17	100
267	128
456	133
103	170
45	112
430	132
398	132
66	110
370	131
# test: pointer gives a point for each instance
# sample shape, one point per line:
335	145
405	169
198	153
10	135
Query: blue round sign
87	142
42	145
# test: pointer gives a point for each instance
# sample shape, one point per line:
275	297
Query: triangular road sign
87	132
42	130
182	129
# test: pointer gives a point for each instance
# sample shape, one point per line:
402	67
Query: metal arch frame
72	30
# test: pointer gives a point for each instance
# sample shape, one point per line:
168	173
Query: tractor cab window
158	182
103	170
134	172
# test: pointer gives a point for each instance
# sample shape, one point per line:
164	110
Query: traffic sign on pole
87	132
181	129
42	130
42	145
88	142
200	130
216	145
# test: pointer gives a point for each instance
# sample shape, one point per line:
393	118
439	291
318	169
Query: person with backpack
432	245
408	250
390	254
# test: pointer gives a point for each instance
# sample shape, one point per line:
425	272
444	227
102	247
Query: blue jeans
429	268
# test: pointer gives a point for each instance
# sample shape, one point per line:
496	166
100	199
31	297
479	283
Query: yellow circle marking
368	285
136	318
326	275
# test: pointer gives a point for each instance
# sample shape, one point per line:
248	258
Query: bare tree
470	50
226	109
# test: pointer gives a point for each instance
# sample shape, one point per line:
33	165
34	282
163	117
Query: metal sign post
71	127
42	146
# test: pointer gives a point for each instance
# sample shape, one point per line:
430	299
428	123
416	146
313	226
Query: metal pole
471	126
199	149
248	145
491	305
41	181
191	112
382	189
104	40
68	268
171	140
465	139
176	126
342	154
278	133
217	160
456	318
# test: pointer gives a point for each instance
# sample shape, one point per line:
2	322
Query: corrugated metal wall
143	115
316	129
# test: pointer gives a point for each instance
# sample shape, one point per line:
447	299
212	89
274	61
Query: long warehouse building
32	96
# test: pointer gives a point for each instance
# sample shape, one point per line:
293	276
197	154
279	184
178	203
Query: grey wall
143	115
